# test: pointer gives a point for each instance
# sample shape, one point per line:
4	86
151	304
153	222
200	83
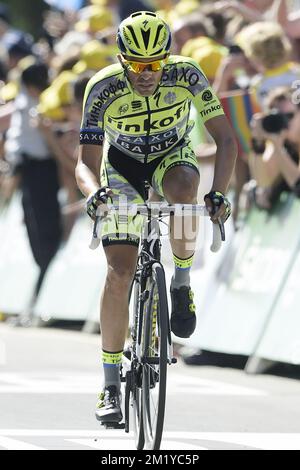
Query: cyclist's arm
226	154
212	115
90	152
88	168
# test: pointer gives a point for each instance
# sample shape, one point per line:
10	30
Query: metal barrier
245	313
74	280
18	271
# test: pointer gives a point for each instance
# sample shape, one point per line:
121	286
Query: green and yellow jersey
146	127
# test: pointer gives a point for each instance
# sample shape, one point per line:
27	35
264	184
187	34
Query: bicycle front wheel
135	386
155	358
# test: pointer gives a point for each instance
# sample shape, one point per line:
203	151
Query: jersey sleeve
203	97
91	129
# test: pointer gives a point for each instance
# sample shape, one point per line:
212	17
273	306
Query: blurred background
247	295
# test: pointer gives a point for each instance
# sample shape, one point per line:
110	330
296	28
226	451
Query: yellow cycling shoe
108	408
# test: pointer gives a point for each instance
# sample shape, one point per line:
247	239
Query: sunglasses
139	67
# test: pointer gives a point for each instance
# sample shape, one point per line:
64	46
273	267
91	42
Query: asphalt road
49	379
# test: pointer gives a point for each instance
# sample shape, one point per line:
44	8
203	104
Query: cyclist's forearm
87	170
226	154
224	165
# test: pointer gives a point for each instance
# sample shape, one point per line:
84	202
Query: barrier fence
247	297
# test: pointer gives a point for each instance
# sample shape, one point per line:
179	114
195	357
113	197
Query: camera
235	49
276	122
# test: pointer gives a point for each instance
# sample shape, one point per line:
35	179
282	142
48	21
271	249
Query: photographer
276	137
29	157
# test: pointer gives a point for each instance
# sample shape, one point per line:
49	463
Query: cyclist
135	128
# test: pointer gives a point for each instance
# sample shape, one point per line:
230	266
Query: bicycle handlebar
159	210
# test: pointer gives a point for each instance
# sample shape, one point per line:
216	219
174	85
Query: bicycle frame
149	254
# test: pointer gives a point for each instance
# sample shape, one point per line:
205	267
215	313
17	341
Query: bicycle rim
155	350
135	400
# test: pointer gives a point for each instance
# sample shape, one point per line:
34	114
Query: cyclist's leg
177	179
120	238
121	263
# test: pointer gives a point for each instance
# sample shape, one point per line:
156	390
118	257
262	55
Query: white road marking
13	444
66	383
122	444
117	439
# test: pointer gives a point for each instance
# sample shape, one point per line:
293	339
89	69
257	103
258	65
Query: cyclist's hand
218	206
100	197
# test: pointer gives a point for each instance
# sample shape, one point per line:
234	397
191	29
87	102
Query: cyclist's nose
147	73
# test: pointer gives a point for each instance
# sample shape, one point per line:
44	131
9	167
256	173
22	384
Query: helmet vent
133	35
146	37
157	34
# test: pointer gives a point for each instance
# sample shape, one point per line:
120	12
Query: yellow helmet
144	35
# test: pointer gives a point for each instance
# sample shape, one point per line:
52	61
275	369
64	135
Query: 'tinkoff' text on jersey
146	127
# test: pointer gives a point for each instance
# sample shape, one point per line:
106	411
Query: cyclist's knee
181	185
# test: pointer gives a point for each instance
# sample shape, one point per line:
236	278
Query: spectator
18	46
94	56
275	159
27	152
250	10
122	9
219	22
187	28
61	130
268	49
264	48
94	19
202	46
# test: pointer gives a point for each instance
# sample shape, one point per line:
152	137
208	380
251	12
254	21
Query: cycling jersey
146	127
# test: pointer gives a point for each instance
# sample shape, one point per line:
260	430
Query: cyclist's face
145	82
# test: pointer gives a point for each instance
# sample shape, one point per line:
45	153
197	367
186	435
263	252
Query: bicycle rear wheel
155	358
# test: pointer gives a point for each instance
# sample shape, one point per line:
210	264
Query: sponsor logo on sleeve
207	96
91	137
210	110
189	75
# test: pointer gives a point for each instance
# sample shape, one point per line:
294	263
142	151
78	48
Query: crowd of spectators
249	47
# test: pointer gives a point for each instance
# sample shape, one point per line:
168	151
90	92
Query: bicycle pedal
174	360
113	425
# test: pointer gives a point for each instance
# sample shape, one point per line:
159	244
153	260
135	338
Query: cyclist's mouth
146	86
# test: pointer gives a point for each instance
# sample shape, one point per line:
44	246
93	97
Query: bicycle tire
135	398
155	341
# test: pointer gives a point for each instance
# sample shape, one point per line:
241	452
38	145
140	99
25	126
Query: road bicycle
150	351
